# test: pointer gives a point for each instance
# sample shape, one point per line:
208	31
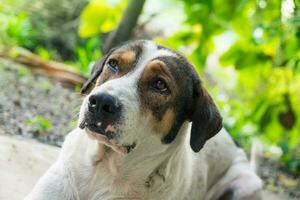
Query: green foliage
69	32
20	30
38	124
55	23
23	72
100	17
87	52
14	26
42	24
262	64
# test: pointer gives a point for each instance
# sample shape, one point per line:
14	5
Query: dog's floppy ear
96	71
205	117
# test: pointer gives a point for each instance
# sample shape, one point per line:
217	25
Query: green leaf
100	16
39	124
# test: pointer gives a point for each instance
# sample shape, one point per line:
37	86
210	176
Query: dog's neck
136	170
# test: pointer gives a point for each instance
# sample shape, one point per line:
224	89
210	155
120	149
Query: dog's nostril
103	104
93	101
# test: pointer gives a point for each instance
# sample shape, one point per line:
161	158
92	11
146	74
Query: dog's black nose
104	104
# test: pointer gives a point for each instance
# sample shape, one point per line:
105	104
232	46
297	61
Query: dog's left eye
113	65
159	85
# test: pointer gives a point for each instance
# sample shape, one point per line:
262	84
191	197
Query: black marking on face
184	74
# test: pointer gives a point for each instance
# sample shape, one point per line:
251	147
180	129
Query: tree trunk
126	26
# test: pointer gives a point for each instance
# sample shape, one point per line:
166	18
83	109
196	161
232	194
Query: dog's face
141	94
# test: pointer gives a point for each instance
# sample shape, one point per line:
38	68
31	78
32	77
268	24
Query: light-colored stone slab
22	162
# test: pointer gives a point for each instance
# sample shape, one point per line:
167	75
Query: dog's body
135	140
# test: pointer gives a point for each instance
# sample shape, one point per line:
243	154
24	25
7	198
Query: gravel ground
277	180
35	106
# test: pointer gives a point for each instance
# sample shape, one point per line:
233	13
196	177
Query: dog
148	129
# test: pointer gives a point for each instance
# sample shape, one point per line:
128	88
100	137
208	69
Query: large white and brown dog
148	130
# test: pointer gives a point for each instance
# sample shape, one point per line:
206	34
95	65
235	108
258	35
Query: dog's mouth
107	136
129	148
98	128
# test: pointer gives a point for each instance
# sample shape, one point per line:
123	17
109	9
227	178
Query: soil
36	106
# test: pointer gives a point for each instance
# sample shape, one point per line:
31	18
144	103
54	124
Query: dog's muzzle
103	111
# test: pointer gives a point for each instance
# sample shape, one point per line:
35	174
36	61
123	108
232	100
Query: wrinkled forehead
145	51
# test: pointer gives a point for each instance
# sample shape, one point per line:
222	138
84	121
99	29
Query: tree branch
58	71
125	28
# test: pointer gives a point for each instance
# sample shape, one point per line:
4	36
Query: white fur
88	168
219	166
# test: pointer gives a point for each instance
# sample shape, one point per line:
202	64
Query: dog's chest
106	180
107	188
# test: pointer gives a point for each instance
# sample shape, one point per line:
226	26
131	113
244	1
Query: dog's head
143	92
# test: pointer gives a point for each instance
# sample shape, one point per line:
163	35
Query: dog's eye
159	85
113	65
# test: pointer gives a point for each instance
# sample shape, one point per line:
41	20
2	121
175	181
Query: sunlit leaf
100	16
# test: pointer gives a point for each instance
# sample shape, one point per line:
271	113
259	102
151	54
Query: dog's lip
112	143
82	124
97	126
129	148
97	129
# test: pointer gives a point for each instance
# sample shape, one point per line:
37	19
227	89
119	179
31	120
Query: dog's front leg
239	182
53	185
59	182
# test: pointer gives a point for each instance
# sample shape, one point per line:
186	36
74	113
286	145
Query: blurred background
247	53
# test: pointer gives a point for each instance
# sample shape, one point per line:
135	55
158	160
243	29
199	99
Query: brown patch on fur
158	67
126	60
155	68
164	125
158	106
